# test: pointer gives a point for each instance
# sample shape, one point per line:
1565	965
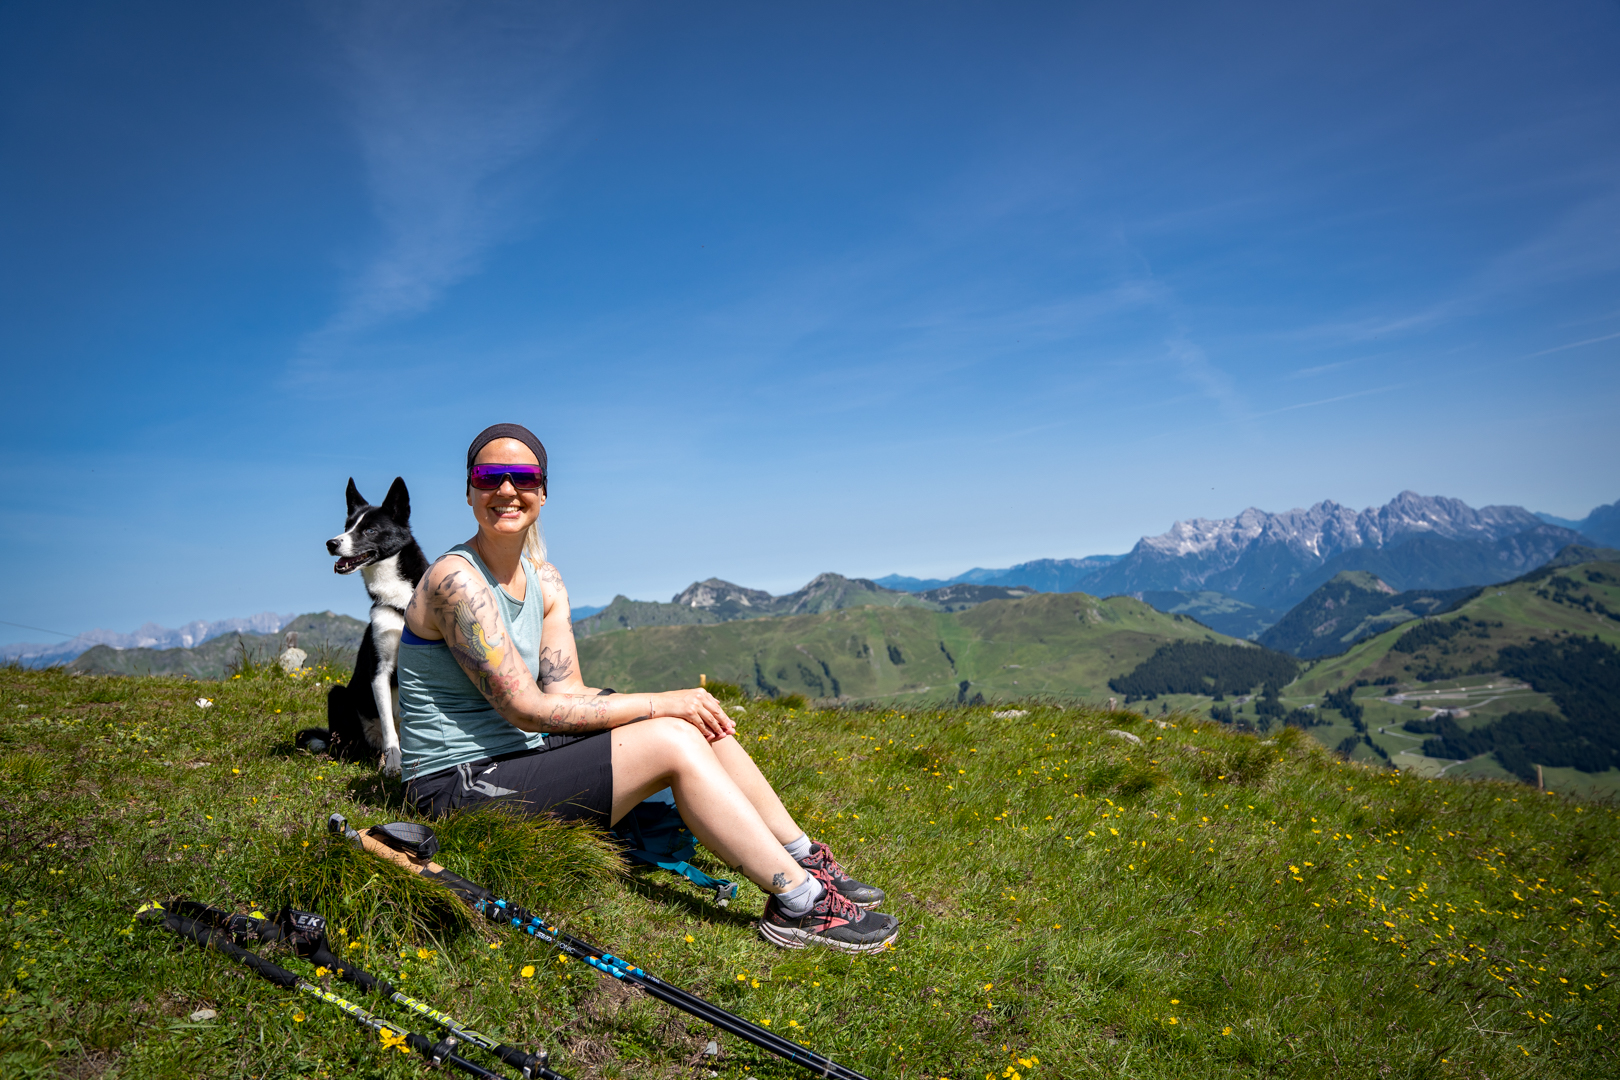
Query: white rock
1127	736
1009	714
203	1014
292	659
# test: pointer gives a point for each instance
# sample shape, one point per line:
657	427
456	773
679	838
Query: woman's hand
698	708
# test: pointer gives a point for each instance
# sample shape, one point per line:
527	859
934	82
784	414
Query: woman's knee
673	738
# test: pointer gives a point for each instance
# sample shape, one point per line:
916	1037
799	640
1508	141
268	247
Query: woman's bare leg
667	752
741	768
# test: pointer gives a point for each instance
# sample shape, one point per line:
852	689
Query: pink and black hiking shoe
821	863
833	922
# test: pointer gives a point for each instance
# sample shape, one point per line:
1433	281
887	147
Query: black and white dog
377	541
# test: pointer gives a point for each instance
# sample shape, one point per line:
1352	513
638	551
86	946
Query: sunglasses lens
489	477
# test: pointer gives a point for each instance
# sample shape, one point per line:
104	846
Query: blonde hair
534	544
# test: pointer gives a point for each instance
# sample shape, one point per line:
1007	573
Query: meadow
1075	903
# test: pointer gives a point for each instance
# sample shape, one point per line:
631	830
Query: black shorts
571	776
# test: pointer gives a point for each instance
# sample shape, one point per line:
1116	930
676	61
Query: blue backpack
653	833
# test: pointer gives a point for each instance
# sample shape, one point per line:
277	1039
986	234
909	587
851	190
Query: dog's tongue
347	564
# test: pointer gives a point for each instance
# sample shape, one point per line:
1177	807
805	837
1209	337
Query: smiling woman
493	707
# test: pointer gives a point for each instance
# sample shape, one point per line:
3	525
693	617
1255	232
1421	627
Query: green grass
1201	905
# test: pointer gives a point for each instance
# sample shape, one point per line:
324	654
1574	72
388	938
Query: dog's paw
391	761
313	739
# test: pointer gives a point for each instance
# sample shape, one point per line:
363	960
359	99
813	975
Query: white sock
801	898
800	848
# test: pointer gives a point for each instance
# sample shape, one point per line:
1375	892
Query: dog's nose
332	545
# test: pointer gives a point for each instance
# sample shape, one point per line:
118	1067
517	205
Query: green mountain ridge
714	601
1066	645
1355	604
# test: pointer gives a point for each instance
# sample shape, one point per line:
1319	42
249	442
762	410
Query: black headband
509	431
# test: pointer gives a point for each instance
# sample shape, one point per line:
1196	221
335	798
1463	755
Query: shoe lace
841	906
822	864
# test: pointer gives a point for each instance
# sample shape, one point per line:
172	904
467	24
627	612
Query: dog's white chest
385	584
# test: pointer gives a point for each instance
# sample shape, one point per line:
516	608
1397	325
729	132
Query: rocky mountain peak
714	593
1327	528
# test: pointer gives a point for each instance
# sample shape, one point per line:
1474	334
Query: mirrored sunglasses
489	477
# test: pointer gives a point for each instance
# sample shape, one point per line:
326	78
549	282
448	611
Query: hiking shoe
833	922
821	863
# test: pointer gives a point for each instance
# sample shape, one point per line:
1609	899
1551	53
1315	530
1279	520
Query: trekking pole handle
209	938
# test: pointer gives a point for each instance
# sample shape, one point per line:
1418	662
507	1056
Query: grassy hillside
1528	608
1460	672
1073	904
1063	644
326	636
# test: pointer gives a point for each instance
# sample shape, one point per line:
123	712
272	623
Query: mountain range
149	636
1237	575
1602	524
717	601
1066	645
1274	560
325	636
1042	575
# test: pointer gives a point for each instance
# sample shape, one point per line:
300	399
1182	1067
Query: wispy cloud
1325	401
1320	369
1571	345
451	104
1198	369
1576	245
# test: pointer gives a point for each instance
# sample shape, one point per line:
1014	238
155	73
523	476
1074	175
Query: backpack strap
653	833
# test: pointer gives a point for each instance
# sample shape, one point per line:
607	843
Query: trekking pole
437	1054
305	934
412	846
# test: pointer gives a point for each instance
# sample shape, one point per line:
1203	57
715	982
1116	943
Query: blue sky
866	288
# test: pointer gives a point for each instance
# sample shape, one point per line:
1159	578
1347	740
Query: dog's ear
356	500
398	503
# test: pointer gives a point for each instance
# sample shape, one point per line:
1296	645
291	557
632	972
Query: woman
492	705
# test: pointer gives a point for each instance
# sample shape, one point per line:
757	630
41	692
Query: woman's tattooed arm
559	658
466	612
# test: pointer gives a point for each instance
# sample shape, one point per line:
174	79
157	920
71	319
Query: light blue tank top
443	720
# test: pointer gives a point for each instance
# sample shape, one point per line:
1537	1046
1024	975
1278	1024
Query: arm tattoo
549	575
555	666
478	645
476	635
